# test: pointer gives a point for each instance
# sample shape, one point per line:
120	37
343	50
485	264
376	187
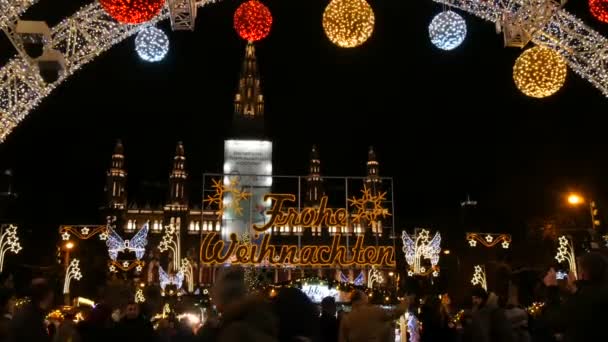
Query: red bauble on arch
599	9
132	11
252	20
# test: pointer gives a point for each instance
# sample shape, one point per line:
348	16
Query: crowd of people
573	312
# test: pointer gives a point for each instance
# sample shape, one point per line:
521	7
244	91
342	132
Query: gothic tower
116	179
314	182
372	179
249	100
177	199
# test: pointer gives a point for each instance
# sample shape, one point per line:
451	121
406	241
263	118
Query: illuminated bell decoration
132	11
599	9
539	72
348	23
447	30
152	44
252	20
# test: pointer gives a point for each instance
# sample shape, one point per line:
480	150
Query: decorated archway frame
90	32
83	232
125	265
489	239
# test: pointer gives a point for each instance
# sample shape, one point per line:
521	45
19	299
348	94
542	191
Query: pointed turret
116	179
249	100
314	182
177	180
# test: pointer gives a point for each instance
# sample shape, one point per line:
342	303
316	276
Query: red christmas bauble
132	11
252	20
599	9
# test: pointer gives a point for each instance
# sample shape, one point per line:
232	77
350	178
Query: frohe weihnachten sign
216	251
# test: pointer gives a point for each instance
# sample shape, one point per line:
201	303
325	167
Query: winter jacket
369	323
580	317
248	320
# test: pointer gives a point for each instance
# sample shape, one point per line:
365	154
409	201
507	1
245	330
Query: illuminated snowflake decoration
369	206
421	247
72	272
479	277
447	30
9	241
565	252
139	296
228	196
84	231
65	236
152	44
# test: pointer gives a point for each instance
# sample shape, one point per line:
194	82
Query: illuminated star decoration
103	236
139	268
230	190
84	231
472	243
421	247
368	206
125	264
479	277
565	252
65	236
112	268
73	272
9	241
489	238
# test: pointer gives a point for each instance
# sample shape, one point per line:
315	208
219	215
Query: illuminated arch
90	32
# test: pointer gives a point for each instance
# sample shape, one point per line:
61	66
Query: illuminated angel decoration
359	280
166	279
420	247
137	244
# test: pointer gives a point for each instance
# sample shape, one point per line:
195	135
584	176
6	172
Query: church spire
249	100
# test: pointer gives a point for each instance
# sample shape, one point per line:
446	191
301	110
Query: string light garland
348	23
447	30
152	44
489	239
539	72
132	11
252	20
599	9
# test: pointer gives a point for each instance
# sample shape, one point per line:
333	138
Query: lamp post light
575	199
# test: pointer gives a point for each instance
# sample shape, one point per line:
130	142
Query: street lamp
575	199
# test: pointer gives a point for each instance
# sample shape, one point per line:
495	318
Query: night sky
444	124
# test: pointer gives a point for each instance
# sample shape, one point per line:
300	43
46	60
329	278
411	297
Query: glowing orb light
348	23
151	44
599	9
539	72
447	30
132	11
252	20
